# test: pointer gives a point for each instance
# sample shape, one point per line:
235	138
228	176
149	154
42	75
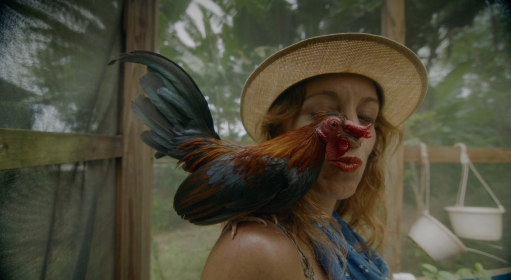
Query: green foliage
228	39
182	253
166	179
478	273
465	56
467	99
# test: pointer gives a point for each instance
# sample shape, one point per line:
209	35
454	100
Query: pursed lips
347	164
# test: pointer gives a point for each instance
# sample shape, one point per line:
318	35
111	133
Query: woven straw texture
399	72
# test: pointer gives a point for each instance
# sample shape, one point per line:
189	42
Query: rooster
228	182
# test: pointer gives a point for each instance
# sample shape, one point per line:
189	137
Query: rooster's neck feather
303	147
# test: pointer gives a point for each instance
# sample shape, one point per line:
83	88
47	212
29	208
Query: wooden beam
135	169
393	27
393	20
452	154
21	148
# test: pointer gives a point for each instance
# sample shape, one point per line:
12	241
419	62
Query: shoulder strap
307	268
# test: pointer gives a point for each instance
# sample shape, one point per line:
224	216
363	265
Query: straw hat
398	71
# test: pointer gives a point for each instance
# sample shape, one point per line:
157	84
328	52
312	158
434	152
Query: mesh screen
58	222
54	75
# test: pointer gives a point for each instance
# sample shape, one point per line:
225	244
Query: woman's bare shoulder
257	251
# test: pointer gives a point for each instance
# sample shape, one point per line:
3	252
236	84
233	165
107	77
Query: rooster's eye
334	124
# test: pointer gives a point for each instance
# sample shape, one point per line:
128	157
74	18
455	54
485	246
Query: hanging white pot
479	223
429	233
438	241
434	238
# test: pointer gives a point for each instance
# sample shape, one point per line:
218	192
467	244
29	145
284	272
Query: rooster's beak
353	140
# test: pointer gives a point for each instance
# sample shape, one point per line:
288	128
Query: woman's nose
350	114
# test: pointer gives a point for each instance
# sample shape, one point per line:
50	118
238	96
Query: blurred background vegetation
464	44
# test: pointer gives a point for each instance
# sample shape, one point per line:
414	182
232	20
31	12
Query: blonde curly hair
365	211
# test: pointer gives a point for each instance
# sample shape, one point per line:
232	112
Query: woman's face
355	97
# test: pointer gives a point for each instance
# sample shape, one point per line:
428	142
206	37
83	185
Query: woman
370	80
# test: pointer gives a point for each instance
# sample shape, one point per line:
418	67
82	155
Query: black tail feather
147	113
151	83
149	140
176	111
176	76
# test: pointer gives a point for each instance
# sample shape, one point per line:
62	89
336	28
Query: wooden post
135	168
393	20
393	27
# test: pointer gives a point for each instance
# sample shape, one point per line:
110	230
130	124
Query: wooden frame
21	148
452	154
134	190
25	148
393	27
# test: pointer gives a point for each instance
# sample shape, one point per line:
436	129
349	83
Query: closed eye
366	119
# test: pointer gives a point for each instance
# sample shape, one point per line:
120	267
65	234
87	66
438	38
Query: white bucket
430	234
478	223
434	238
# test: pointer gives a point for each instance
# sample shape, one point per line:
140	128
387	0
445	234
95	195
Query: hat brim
397	70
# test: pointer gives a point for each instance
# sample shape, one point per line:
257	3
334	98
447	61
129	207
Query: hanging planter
430	234
479	223
434	238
